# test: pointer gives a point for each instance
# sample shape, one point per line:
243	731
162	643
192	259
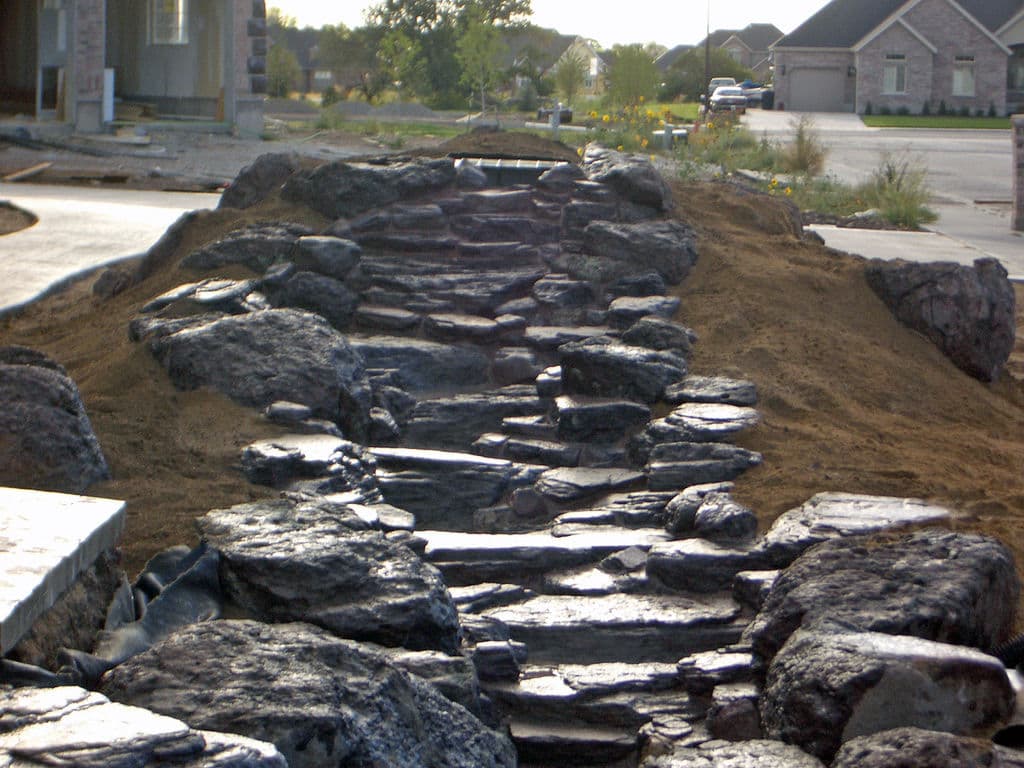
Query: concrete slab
921	247
79	229
46	541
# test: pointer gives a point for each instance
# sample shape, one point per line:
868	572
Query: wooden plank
24	173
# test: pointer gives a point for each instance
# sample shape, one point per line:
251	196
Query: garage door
817	90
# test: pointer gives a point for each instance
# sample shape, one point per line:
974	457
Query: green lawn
934	121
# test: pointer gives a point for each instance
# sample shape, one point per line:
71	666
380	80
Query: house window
895	77
168	22
963	76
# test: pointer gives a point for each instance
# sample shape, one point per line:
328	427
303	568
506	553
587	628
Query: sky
669	23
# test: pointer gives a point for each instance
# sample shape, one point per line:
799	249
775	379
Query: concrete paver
79	229
46	541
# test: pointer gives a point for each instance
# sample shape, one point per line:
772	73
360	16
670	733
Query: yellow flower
773	183
650	114
789	191
593	115
710	126
644	143
619	147
652	158
641	99
579	151
606	119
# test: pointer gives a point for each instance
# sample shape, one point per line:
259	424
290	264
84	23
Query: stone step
535	427
455	422
562	629
547	744
641	509
472	558
598	419
482	227
551	337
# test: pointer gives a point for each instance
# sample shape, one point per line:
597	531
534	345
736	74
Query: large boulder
933	584
829	684
258	180
424	366
968	312
46	439
744	754
604	367
667	247
317	293
71	726
633	177
341	189
319	699
280	354
319	562
913	747
255	247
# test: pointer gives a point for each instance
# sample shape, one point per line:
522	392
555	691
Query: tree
570	74
400	60
283	71
424	15
686	77
351	55
277	18
632	75
479	52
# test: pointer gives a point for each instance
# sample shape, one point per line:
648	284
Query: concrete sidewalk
79	229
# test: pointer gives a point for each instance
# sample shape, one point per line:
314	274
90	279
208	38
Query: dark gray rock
681	511
317	293
598	419
697	565
452	326
479	597
720	518
563	292
318	562
515	365
260	179
287	458
423	366
46	439
455	422
834	515
913	747
441	488
212	295
567	484
566	628
933	584
712	389
331	256
499	659
607	368
733	714
319	699
744	754
751	588
560	177
71	726
454	677
701	673
417	217
498	201
263	357
528	450
386	319
659	333
498	227
576	215
968	312
469	176
341	189
550	337
667	247
702	423
673	466
828	685
632	177
255	247
642	284
624	311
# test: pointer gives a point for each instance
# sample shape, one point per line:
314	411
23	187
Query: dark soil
850	399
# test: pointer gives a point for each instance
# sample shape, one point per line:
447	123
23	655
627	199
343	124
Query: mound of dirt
14	219
850	399
514	145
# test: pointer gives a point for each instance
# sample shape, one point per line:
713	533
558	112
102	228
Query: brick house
67	60
903	55
544	49
749	46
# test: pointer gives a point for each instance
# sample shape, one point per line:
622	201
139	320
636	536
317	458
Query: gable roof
759	37
844	23
669	57
545	46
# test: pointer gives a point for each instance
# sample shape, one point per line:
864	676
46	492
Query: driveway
79	229
969	173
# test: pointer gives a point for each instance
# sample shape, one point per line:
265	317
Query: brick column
1018	171
87	59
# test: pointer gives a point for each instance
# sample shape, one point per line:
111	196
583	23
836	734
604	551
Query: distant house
542	50
749	46
911	55
67	60
303	43
670	57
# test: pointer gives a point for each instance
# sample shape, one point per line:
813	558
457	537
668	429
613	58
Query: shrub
897	188
965	111
991	109
926	109
806	154
942	108
868	110
885	111
903	111
329	96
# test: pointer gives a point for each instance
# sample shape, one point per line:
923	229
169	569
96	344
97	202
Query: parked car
728	98
718	82
544	114
753	91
